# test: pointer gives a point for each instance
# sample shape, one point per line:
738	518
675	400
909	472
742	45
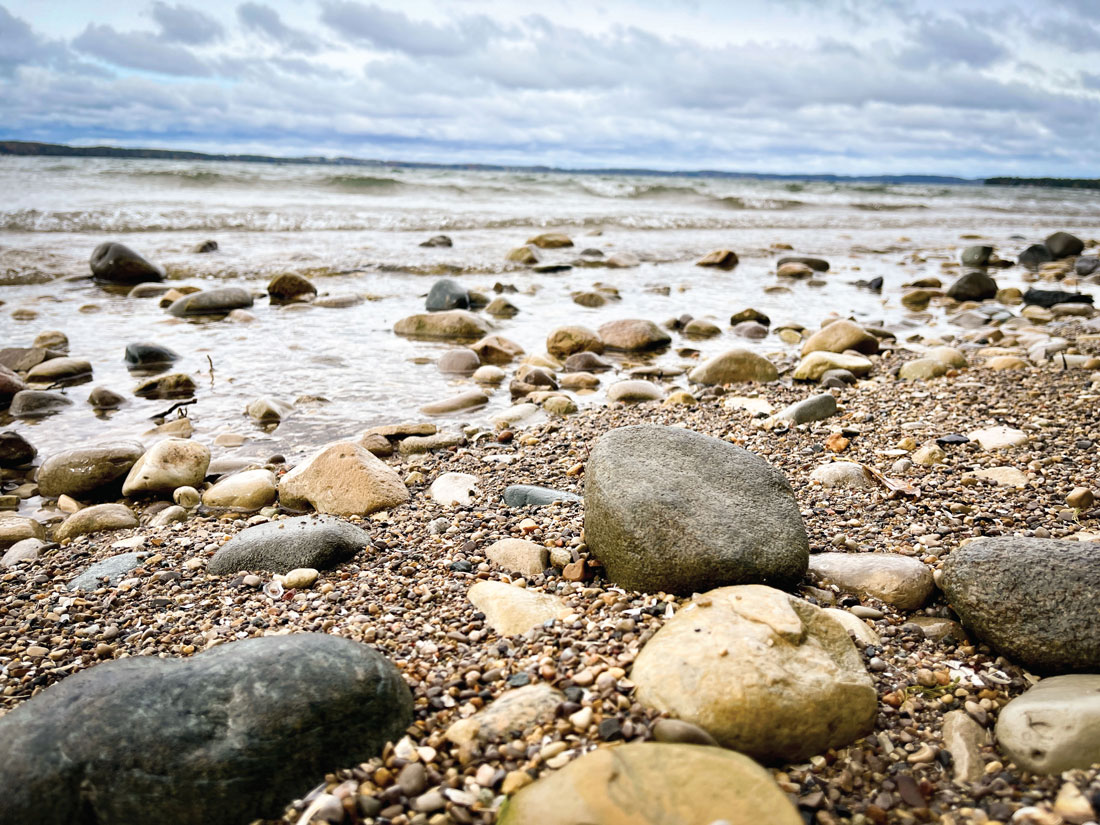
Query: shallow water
356	230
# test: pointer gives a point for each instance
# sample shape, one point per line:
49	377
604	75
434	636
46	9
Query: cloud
185	24
138	50
396	31
262	19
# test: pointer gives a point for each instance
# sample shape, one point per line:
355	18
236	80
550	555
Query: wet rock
523	255
1052	727
1086	266
496	349
501	307
550	240
733	367
458	361
174	385
816	364
219	738
973	286
446	294
525	495
839	336
95	519
1034	256
586	362
205	247
814	408
650	783
144	355
17	528
512	610
750	315
84	473
566	341
747	329
791	685
901	581
1064	245
318	542
452	489
1033	600
289	287
60	370
794	270
15	450
632	335
342	479
976	255
113	263
463	401
674	510
1001	476
519	556
102	399
1048	298
437	241
268	410
843	475
219	301
37	403
52	339
10	384
816	264
168	464
489	374
248	490
699	328
450	325
719	259
634	391
589	299
111	570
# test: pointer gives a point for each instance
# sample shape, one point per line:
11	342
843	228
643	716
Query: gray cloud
138	50
394	30
185	24
257	17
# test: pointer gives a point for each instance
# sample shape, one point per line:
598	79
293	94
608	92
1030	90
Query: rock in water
1035	255
10	384
342	479
288	287
789	684
447	294
1064	245
144	355
653	783
454	324
221	738
15	451
816	264
248	490
976	255
1034	600
88	472
219	301
1053	726
839	336
437	241
973	286
37	403
632	335
673	510
168	464
320	542
113	263
1051	297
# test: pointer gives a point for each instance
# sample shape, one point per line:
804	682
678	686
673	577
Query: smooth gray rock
115	263
973	286
15	451
114	569
280	546
1064	245
976	255
526	495
674	510
88	472
816	264
814	408
145	355
1035	255
447	294
1054	726
1086	266
219	301
37	403
1034	600
222	738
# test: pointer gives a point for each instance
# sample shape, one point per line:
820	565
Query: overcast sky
851	86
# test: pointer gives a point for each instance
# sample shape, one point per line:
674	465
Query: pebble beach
714	565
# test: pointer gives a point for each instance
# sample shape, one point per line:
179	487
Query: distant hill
1059	183
29	148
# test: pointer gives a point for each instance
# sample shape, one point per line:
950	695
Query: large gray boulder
88	472
319	542
674	510
1064	245
1034	600
222	738
115	263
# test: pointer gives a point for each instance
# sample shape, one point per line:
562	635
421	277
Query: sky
790	86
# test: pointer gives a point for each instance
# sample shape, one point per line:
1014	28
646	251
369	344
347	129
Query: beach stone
22	359
814	408
816	264
699	328
248	490
634	391
450	325
1048	298
523	255
563	342
677	731
1033	600
964	739
922	369
839	336
17	528
589	299
550	240
415	444
1085	266
844	475
60	370
288	287
52	339
95	519
220	301
220	738
442	241
102	398
680	398
794	270
792	684
586	362
653	783
1053	726
1081	498
733	367
511	610
1035	255
463	401
519	415
918	299
175	385
578	381
169	515
901	581
268	410
114	263
446	294
632	335
143	355
168	464
452	489
501	307
458	361
113	569
856	628
489	374
342	479
37	403
10	384
998	438
746	329
25	550
318	542
750	315
973	286
816	364
948	356
526	495
1064	245
976	255
15	450
519	556
1001	476
513	712
496	349
94	473
1006	362
376	445
719	259
559	405
403	429
929	454
300	578
668	509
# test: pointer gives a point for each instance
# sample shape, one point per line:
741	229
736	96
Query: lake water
356	230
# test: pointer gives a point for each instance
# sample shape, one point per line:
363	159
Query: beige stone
839	336
248	490
168	464
632	335
816	364
734	366
512	610
964	739
517	709
451	325
1054	726
634	390
856	627
16	528
949	356
998	438
1001	476
1006	362
564	341
929	454
901	581
342	479
519	556
550	240
921	369
719	258
496	349
95	519
463	401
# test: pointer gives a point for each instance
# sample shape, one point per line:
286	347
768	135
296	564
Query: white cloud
185	24
138	50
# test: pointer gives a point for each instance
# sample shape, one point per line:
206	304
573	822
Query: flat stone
816	364
998	438
88	473
249	490
901	581
428	443
95	519
175	385
519	556
511	610
60	370
25	550
633	335
468	400
1001	476
452	489
342	479
843	474
37	403
1053	726
113	569
451	325
17	528
513	712
219	301
964	739
526	495
922	369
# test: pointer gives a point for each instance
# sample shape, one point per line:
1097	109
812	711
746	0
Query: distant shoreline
21	148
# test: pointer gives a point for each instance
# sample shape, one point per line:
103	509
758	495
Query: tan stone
1006	362
839	336
16	528
551	240
632	335
901	581
564	341
248	490
1054	726
517	709
921	369
519	556
95	519
964	739
512	610
342	479
719	258
634	391
734	366
496	349
794	270
949	356
453	324
816	364
1001	476
168	464
929	454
